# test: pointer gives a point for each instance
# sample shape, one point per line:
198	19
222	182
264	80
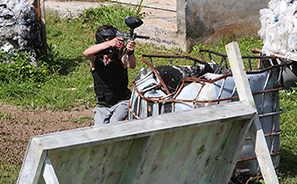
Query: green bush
20	68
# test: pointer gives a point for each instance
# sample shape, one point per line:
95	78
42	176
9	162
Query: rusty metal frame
203	81
224	56
183	81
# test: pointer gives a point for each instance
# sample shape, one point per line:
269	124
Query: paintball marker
132	23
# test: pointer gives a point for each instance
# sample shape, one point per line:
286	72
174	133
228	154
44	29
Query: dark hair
103	27
100	37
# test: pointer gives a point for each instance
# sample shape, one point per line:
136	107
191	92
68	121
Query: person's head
105	33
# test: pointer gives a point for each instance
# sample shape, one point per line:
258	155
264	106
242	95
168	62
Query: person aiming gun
109	61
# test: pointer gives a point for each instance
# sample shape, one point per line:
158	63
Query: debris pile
18	29
279	28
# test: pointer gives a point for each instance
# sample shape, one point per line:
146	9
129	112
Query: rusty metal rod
252	158
266	135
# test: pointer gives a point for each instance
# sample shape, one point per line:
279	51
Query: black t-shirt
110	81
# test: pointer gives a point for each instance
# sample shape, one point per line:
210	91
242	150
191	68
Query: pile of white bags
279	28
18	30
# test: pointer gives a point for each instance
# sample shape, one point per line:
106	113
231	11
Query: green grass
69	70
9	173
288	143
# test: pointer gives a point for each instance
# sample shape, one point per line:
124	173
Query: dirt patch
18	125
231	32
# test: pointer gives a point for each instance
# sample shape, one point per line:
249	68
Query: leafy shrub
54	63
19	67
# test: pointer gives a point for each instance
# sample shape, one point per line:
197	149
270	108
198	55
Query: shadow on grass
56	63
68	65
65	66
288	163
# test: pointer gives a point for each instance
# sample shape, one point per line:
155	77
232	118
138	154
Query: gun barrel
130	36
142	37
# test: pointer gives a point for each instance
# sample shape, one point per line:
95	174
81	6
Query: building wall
208	21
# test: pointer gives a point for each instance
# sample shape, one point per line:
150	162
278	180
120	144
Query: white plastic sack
279	28
17	27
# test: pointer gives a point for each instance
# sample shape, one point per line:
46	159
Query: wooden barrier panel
195	146
244	92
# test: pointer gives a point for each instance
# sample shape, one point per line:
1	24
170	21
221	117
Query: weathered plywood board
244	93
195	146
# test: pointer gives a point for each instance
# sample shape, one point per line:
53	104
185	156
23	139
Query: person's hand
130	46
116	42
107	59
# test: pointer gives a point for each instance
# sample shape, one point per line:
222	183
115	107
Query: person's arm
90	52
128	58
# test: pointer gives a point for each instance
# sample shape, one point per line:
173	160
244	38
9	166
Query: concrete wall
208	21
